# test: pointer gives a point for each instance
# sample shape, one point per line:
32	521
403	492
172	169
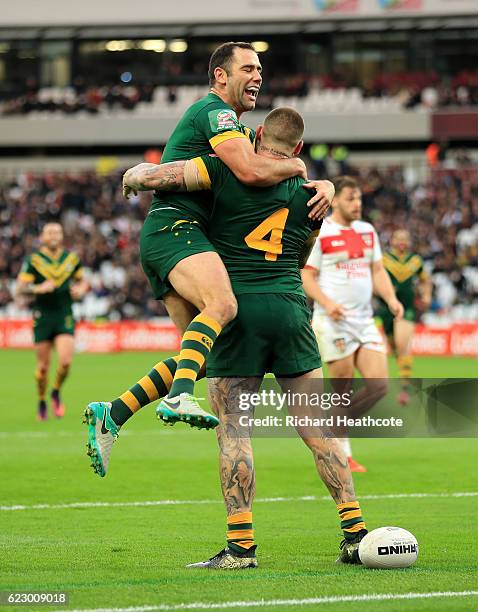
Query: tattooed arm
173	176
236	461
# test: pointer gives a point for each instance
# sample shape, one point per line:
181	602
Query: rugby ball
388	548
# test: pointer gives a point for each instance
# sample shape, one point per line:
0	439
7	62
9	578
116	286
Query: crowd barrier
456	339
100	337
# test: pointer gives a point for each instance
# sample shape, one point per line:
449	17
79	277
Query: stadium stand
305	92
103	228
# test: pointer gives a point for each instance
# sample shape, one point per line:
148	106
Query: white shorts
339	339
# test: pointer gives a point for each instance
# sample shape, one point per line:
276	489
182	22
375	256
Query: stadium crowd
409	89
103	228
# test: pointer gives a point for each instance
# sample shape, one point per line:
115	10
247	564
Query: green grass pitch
133	556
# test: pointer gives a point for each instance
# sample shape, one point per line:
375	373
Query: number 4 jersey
258	232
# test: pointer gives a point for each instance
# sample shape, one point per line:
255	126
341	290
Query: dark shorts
46	326
387	318
167	237
271	333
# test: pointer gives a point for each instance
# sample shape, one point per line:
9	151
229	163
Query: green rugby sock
240	534
196	344
351	520
41	377
151	387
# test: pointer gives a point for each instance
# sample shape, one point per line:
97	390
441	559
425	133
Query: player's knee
64	364
342	372
230	308
224	309
42	369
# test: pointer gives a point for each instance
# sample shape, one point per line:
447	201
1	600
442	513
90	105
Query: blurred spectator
99	224
103	228
409	89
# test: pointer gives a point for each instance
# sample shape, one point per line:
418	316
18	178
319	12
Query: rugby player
52	277
409	279
182	264
344	268
260	235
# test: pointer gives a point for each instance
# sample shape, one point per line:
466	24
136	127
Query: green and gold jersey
258	232
39	266
404	271
205	124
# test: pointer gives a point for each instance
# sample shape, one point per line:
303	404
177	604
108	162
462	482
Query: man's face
52	236
401	240
244	80
349	203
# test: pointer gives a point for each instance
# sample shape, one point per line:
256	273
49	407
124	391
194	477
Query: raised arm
257	170
173	176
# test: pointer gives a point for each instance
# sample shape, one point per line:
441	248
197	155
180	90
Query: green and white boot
102	432
186	408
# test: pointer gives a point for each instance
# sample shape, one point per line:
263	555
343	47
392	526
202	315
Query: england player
344	269
413	286
260	234
53	278
182	263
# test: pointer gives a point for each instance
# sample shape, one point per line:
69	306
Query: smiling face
240	84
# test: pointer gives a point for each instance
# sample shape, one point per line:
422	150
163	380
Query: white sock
345	442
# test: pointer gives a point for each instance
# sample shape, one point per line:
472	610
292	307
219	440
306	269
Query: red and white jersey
343	256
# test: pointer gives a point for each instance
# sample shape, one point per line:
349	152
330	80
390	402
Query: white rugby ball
388	548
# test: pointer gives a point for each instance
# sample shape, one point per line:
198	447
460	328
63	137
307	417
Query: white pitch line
76	434
261	603
189	502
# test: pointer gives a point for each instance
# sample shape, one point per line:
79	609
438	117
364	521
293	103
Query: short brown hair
284	126
222	56
341	182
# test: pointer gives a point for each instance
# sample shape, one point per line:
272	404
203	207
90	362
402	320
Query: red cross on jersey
343	256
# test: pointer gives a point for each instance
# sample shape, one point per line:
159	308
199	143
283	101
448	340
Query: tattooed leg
236	462
330	460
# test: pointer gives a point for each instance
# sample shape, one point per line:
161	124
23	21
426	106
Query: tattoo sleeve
164	177
333	467
330	460
236	464
173	176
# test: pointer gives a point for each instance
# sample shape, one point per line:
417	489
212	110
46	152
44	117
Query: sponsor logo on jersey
368	239
223	120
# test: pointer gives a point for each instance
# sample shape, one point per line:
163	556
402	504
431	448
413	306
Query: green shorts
271	333
46	326
387	318
166	238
